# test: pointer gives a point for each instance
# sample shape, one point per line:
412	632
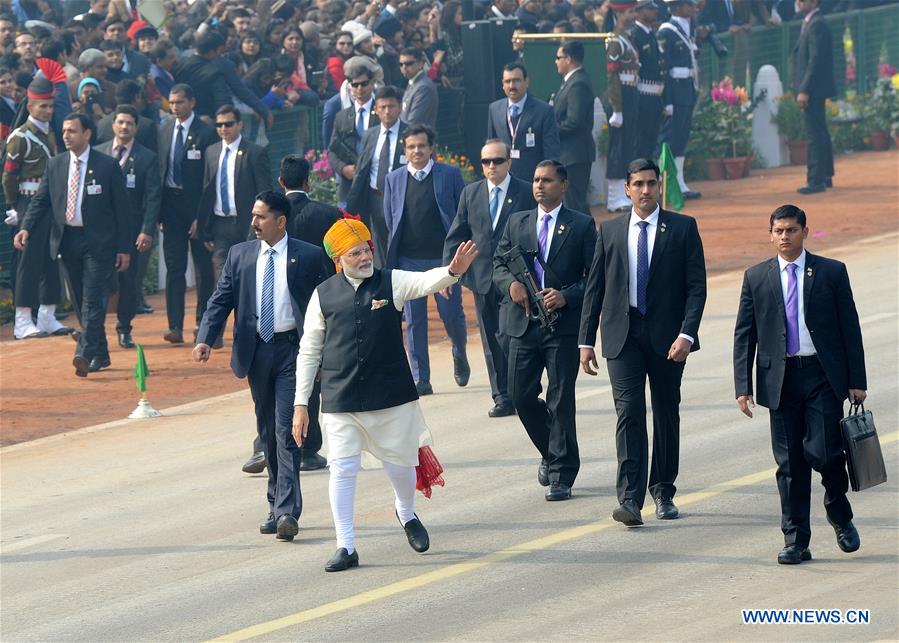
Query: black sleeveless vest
364	365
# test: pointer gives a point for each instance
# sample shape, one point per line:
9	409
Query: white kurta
393	434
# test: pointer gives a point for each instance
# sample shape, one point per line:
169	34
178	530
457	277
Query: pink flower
729	96
886	70
716	94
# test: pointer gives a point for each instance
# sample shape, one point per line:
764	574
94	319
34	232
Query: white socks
617	198
679	162
342	492
24	326
46	319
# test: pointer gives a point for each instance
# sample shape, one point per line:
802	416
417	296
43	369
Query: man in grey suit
484	209
523	122
573	105
144	187
420	97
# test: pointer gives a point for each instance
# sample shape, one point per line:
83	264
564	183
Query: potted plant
322	184
878	109
708	143
791	125
733	113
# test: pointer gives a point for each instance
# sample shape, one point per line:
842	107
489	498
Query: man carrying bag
863	455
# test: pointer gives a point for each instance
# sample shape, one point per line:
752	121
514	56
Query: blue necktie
642	267
179	152
360	129
494	206
267	313
223	184
513	113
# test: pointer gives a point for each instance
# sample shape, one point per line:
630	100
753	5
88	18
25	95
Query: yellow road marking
456	569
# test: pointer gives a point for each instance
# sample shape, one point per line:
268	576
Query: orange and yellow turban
345	234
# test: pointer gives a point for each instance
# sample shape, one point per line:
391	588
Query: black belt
177	190
803	361
285	336
636	313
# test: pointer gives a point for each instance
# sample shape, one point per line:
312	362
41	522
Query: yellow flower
471	168
894	81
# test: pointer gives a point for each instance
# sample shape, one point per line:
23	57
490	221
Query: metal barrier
294	131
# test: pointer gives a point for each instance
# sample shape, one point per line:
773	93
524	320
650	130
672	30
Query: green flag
671	196
140	370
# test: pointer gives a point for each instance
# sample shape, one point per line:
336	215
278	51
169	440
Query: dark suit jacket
448	186
147	132
207	80
236	290
567	264
573	106
830	316
146	195
715	13
342	146
675	293
199	136
106	216
252	175
536	117
138	63
812	71
358	196
420	102
473	222
310	220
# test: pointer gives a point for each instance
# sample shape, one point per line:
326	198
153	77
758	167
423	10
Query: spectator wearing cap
146	38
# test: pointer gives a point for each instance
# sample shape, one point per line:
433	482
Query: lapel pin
808	272
239	152
508	200
293	260
663	227
561	228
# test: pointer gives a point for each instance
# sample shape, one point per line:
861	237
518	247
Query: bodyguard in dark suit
236	170
646	292
84	194
797	320
564	240
813	83
382	152
420	96
182	148
523	122
144	187
268	283
573	106
484	209
351	123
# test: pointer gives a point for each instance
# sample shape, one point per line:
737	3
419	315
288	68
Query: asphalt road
147	530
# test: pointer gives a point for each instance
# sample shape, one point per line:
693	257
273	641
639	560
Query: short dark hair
208	42
417	130
228	108
388	91
113	20
275	201
516	65
238	12
160	49
641	165
413	52
53	48
110	45
788	211
127	90
130	110
91	21
84	119
573	50
561	172
294	171
184	89
496	141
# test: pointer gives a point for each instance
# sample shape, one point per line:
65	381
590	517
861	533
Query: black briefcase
863	455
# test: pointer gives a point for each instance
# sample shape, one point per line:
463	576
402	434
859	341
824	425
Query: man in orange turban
344	235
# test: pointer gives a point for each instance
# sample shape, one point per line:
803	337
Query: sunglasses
225	124
496	161
361	83
561	57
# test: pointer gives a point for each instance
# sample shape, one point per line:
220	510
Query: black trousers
649	120
143	262
676	128
89	271
179	210
628	372
129	294
578	181
495	343
820	147
313	442
225	233
272	379
623	140
551	423
377	224
36	272
805	435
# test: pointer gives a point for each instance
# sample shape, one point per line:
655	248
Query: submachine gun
520	262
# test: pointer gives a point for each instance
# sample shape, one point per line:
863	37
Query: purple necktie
792	310
541	247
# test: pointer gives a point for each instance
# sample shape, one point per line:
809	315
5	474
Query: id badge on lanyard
515	154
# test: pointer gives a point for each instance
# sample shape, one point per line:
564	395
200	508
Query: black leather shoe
99	363
174	336
313	462
256	463
558	491
125	340
287	528
62	330
543	473
828	182
628	513
269	526
342	560
812	188
144	308
82	366
847	536
501	410
76	336
666	509
692	194
793	555
416	534
424	388
461	370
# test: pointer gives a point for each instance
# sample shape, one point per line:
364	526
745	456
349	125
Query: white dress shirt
806	347
169	180
503	190
78	220
568	75
376	159
232	165
426	169
284	319
684	24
